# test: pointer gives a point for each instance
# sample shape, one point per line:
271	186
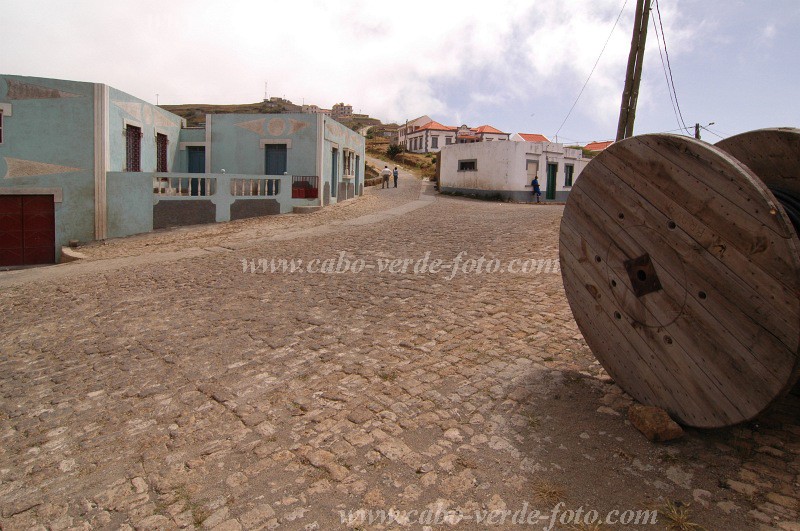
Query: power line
666	77
712	132
593	68
669	67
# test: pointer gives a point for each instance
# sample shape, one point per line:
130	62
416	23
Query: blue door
358	177
197	164
275	159
334	171
197	159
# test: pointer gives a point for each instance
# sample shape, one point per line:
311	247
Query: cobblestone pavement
173	390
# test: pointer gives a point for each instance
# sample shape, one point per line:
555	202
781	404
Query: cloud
394	61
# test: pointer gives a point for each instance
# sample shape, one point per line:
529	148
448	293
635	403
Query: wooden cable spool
682	270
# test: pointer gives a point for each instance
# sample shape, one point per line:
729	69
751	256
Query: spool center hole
641	275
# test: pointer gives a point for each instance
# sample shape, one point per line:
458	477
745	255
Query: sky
518	65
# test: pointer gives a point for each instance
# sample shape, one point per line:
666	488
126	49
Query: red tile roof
598	146
436	126
533	137
487	129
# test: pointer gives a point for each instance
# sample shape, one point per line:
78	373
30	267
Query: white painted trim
101	160
158	130
264	141
6	108
134	123
320	157
183	145
208	142
334	145
57	193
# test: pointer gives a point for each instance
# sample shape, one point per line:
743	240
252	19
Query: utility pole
697	128
633	75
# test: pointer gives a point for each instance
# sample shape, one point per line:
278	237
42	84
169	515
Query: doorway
552	171
27	230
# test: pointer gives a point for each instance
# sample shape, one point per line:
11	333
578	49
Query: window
161	152
434	142
448	140
467	165
569	169
133	148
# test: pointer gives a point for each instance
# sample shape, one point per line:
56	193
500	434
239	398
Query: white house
430	137
410	126
433	136
504	170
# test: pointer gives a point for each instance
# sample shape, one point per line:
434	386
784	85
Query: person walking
395	174
385	173
537	192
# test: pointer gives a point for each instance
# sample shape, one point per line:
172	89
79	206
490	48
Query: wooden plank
750	231
722	175
705	356
715	234
772	154
706	327
772	305
647	370
719	341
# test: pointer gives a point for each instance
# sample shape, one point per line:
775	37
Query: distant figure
395	174
537	192
385	173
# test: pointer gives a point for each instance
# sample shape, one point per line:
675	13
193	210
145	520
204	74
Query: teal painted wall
345	138
151	119
52	122
235	141
188	135
130	203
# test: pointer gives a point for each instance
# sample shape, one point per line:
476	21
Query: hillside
423	164
195	113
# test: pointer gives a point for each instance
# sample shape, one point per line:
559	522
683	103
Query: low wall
517	196
190	199
130	203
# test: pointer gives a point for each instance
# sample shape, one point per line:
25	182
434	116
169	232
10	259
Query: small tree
393	150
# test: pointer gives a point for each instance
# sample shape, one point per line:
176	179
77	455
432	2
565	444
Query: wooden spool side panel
718	342
707	324
702	371
772	154
774	306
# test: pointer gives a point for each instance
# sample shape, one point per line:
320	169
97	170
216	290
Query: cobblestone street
161	383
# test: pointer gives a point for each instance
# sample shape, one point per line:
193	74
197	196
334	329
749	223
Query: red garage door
27	230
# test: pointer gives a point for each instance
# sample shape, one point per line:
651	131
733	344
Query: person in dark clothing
395	174
537	192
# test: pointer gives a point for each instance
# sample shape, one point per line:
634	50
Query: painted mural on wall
273	126
17	167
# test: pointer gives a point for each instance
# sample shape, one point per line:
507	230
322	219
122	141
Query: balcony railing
255	187
181	185
305	187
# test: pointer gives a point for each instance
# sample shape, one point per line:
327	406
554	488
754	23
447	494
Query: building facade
85	161
340	111
409	127
431	136
504	170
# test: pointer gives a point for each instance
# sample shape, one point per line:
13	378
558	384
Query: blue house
84	161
